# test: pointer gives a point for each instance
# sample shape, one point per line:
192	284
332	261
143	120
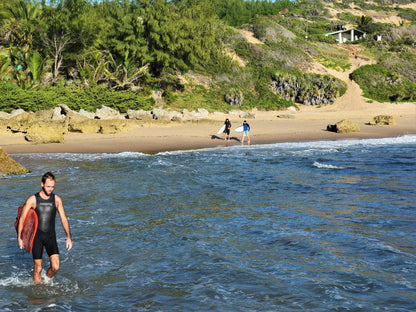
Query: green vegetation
86	53
383	84
13	97
332	57
402	62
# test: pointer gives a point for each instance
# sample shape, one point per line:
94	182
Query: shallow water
319	226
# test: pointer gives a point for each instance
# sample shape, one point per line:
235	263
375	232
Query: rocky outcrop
9	166
234	98
382	120
185	115
100	126
310	89
139	114
50	131
4	116
86	114
344	126
84	126
38	127
50	126
107	113
161	114
201	113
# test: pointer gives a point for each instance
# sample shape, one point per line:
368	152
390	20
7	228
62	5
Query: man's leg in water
37	271
54	260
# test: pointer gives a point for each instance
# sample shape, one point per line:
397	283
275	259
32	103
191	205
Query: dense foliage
383	84
114	53
13	97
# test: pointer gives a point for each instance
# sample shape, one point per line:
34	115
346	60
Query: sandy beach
309	123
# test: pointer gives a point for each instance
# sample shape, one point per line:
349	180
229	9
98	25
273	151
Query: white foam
17	280
325	166
85	157
406	139
305	146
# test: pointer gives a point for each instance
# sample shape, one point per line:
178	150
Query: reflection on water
312	226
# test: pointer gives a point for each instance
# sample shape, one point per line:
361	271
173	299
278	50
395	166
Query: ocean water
311	226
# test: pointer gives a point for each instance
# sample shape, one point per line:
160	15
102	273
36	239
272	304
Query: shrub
89	99
384	85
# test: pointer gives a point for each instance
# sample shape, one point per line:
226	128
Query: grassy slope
286	49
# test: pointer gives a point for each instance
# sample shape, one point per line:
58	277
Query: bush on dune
384	85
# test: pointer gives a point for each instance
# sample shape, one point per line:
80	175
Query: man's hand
68	244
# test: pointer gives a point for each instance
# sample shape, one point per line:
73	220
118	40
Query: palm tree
20	21
124	75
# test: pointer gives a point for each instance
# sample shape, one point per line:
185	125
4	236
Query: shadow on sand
216	137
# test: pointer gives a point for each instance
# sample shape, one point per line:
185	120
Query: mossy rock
84	126
9	166
22	122
114	126
46	132
100	126
383	120
344	126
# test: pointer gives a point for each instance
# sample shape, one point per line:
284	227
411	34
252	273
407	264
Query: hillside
271	45
198	58
378	16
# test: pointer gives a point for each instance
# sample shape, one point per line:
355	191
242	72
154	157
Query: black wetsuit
45	235
227	127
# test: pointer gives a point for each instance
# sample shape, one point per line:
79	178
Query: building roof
344	31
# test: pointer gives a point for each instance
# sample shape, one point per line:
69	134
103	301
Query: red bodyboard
30	226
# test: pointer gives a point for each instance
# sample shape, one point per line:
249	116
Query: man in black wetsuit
227	128
46	204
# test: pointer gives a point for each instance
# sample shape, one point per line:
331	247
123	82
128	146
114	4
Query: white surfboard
239	129
222	129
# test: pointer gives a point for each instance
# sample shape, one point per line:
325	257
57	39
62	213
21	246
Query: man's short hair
48	175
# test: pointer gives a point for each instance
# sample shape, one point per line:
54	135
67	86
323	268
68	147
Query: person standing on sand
227	128
246	130
46	204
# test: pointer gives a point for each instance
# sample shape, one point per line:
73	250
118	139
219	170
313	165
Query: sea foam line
406	139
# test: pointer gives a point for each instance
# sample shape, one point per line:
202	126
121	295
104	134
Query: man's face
48	186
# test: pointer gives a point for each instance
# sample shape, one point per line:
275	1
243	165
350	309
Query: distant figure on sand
227	128
246	130
46	204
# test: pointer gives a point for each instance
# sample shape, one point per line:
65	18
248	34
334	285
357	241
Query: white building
345	35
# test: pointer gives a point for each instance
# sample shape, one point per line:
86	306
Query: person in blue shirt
246	130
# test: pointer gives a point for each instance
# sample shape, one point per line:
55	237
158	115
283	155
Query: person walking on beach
227	128
246	130
46	204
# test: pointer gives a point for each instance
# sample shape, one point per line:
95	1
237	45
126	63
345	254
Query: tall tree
69	29
122	32
179	36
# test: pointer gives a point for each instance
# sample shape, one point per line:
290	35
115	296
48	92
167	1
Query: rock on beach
383	120
8	166
343	126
